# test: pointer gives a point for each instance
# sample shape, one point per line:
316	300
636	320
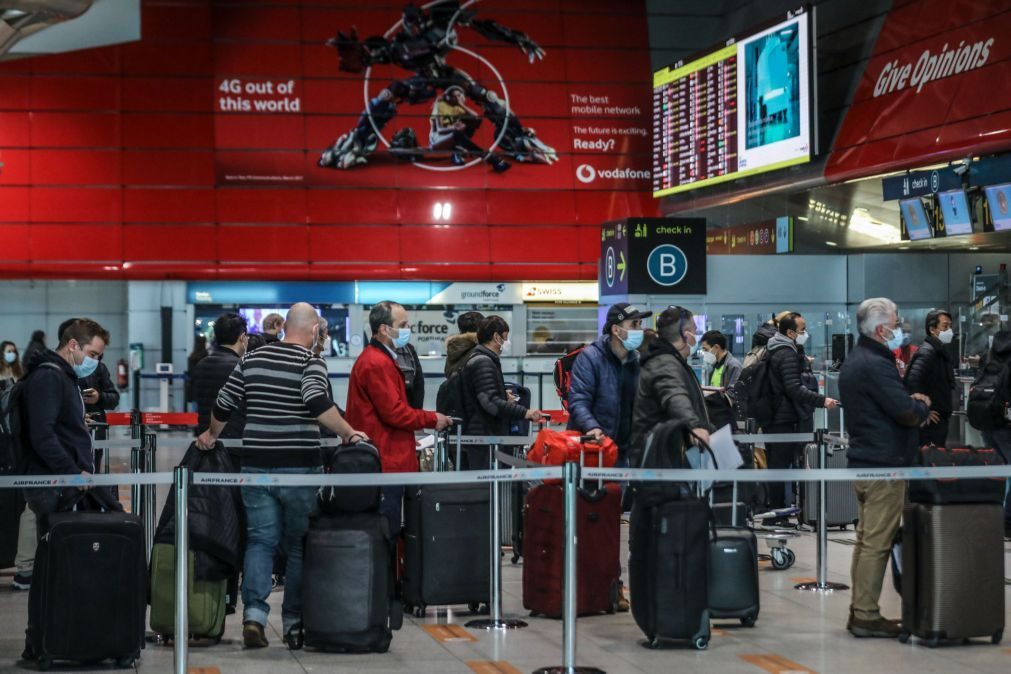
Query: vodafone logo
587	174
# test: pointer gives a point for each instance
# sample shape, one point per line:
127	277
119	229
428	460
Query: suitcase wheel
418	611
997	636
479	608
701	643
748	621
125	663
904	637
934	642
44	663
653	643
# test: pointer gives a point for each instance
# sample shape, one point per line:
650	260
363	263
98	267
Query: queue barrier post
570	489
495	621
822	583
180	485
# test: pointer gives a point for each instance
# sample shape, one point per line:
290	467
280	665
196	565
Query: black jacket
414	376
881	419
207	378
794	401
488	410
54	417
932	373
108	395
668	391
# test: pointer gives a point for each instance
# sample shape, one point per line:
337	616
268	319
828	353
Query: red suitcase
598	515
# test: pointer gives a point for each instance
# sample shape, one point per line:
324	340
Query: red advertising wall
935	89
193	153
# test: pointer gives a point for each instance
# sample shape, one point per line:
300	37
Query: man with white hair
882	420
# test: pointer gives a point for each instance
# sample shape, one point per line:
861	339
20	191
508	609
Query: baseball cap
623	311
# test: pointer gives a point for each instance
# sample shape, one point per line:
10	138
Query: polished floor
796	632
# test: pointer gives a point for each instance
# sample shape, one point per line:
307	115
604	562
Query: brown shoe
253	635
880	628
623	605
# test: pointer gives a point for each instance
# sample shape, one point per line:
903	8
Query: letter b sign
667	265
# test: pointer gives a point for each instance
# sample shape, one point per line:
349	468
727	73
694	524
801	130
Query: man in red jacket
377	403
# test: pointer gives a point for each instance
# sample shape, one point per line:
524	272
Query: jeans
1000	440
880	505
274	515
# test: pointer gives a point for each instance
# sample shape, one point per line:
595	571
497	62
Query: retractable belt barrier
520	470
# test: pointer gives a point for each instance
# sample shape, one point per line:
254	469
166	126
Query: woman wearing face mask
10	366
488	409
932	373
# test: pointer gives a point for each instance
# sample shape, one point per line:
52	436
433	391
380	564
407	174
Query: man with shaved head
284	387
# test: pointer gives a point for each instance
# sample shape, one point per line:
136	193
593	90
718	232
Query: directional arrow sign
621	265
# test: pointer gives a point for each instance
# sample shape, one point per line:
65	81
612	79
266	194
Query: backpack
666	448
563	374
988	397
756	354
753	391
14	444
361	458
449	400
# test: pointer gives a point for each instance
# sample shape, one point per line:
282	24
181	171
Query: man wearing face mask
283	386
722	369
932	373
211	373
378	404
668	388
605	377
489	409
58	438
882	419
794	403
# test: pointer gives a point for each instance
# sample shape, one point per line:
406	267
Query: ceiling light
831	243
861	222
802	218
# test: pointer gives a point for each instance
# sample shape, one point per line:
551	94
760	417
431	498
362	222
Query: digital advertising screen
914	215
955	212
998	197
737	110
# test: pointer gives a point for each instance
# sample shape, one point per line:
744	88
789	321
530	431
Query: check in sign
653	256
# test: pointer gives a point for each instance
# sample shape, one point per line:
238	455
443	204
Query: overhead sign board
653	256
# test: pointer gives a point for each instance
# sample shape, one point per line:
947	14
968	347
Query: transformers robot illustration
421	44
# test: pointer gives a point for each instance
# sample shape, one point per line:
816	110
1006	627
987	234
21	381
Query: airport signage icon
653	256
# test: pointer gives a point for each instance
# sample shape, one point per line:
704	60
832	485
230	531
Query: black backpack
361	458
753	392
988	397
452	395
14	444
664	448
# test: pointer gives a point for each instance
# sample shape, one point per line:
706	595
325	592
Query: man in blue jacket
604	380
882	420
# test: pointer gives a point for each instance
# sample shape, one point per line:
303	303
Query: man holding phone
97	391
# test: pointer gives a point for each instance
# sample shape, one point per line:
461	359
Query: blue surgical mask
896	340
402	338
87	366
633	339
10	357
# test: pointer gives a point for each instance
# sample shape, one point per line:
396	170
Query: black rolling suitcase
89	589
733	575
446	531
348	598
668	570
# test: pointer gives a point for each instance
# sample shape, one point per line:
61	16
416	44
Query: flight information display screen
737	110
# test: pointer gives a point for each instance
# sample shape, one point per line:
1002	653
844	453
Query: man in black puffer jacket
932	373
794	402
489	409
211	373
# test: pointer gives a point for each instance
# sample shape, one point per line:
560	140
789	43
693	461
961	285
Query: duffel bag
952	490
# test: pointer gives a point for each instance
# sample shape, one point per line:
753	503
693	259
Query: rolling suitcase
89	589
348	598
840	499
668	570
952	572
206	599
598	521
446	555
733	575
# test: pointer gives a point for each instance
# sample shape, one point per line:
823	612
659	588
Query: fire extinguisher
122	375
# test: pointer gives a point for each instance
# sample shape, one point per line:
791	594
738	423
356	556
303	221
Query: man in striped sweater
287	397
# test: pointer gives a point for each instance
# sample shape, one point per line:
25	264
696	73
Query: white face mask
946	336
709	358
802	338
507	347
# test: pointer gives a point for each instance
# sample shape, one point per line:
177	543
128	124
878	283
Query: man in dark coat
211	373
932	373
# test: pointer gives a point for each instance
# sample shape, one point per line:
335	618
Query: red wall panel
119	162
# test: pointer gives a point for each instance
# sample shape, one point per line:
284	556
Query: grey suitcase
841	500
952	572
